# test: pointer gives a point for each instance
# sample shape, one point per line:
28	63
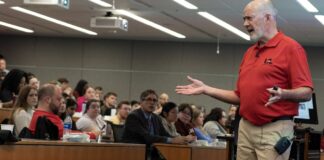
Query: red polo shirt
281	62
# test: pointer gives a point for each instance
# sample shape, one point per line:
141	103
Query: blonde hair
195	114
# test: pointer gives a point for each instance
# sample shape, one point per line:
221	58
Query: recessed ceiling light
15	27
26	11
101	3
149	23
320	18
2	2
224	25
186	4
307	5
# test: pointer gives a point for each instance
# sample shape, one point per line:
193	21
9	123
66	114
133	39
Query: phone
282	145
274	88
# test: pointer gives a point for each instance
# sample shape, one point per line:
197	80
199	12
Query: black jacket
136	129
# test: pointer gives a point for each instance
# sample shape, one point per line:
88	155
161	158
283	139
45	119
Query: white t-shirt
86	124
22	119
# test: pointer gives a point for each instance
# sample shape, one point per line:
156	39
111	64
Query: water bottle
67	124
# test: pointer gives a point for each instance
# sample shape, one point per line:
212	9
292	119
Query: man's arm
228	96
198	87
300	94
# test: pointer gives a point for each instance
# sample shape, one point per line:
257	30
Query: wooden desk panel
55	150
185	152
322	156
174	152
209	153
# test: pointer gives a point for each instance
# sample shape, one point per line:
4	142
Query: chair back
118	131
45	129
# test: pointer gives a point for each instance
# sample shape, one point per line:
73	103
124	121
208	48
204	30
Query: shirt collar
273	42
147	115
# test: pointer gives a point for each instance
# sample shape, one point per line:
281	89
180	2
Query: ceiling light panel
101	3
224	25
15	27
308	6
320	18
186	4
149	23
53	20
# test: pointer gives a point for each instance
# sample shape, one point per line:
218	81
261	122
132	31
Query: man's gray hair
264	6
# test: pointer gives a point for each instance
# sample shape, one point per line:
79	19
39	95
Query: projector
109	22
62	3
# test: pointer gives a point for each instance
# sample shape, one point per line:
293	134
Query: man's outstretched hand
196	87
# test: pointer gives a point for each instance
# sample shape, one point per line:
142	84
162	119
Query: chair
306	145
45	129
7	136
118	131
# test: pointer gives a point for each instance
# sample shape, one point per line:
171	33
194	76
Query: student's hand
97	133
179	140
276	95
190	138
196	87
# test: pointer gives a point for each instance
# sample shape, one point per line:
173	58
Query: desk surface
55	150
186	152
322	156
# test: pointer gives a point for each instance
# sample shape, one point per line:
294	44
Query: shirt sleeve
298	69
84	124
22	119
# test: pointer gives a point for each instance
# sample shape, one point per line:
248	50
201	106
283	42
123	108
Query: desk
322	156
56	150
5	113
185	152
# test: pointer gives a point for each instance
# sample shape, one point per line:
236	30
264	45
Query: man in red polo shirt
49	97
273	77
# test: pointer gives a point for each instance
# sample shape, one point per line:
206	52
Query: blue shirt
201	136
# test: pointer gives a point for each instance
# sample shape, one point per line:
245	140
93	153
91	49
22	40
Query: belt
282	118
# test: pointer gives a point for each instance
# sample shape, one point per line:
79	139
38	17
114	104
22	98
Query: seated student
230	118
92	121
23	109
50	99
198	121
11	86
70	110
183	124
123	109
79	91
215	122
109	104
32	80
144	127
135	105
89	93
168	117
162	100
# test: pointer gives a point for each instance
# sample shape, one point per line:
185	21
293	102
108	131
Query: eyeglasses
94	106
151	100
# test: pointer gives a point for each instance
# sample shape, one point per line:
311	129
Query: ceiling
294	20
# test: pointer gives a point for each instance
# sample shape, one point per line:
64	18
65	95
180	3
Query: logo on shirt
268	61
